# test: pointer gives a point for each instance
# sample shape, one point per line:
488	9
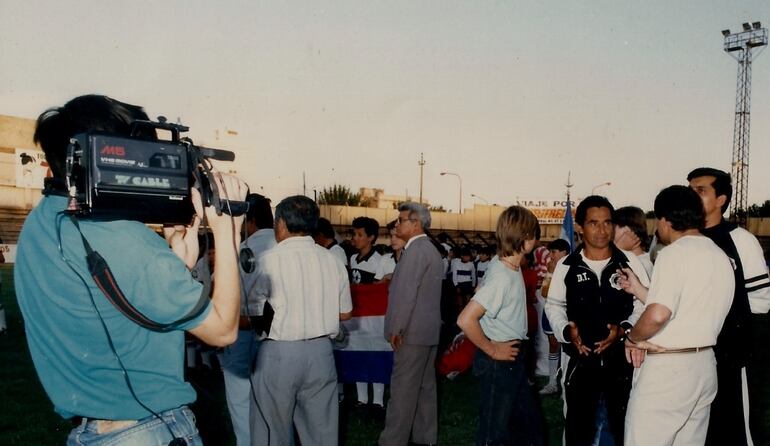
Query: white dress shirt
306	286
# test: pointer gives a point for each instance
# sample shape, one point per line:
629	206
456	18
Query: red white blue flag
366	355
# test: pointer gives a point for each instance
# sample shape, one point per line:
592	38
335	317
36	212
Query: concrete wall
479	219
15	133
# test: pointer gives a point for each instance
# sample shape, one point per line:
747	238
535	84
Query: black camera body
130	178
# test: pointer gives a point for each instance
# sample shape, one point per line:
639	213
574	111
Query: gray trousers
412	410
237	360
295	386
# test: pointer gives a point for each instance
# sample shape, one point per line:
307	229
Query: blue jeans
237	361
509	414
147	432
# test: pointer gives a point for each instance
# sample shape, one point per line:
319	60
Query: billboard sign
31	168
548	212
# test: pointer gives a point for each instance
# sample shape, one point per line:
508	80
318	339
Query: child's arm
468	321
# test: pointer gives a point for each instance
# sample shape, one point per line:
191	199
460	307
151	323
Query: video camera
129	178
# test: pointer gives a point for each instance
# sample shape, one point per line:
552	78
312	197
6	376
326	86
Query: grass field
27	417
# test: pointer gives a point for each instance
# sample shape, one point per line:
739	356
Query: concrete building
21	164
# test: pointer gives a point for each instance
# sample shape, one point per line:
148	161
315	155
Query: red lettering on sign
114	150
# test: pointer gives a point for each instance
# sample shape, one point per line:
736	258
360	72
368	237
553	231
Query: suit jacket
414	295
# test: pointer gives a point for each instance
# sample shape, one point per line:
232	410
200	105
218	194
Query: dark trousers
509	414
757	373
588	381
726	424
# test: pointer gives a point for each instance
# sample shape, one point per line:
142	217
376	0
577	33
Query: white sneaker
549	389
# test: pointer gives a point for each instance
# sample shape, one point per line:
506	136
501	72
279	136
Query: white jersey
339	253
363	269
387	266
463	272
481	270
754	270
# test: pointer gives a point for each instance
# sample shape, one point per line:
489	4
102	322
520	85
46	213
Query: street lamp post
481	198
593	191
489	211
460	210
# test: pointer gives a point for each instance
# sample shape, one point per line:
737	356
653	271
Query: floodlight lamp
725	32
757	25
746	27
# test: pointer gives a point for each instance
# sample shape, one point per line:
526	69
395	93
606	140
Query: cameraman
116	380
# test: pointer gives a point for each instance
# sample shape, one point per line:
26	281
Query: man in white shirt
295	380
237	359
686	305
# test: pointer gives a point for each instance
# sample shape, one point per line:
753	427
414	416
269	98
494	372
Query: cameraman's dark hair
259	211
325	228
57	125
559	245
634	219
592	201
392	225
300	214
721	184
680	206
369	225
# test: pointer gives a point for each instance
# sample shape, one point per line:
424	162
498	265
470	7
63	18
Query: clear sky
509	95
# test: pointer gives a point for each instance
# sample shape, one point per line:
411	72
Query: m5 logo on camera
113	150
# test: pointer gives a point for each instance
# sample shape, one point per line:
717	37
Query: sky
511	96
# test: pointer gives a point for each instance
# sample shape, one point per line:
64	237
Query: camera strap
100	272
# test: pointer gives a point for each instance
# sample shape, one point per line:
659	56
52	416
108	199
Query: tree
760	210
339	195
437	209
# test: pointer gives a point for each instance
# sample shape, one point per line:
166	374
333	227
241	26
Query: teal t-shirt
68	345
504	298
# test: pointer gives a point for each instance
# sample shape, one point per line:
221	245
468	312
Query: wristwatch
625	327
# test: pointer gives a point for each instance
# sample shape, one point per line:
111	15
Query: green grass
26	414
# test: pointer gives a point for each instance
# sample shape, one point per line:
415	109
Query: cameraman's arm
220	328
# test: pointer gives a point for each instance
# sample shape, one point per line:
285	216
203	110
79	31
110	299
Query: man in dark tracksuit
741	343
589	312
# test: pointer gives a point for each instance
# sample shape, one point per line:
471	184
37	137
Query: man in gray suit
412	325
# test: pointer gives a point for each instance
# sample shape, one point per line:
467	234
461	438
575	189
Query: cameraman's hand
183	240
230	188
220	328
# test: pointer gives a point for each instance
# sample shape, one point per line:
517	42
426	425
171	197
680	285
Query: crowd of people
656	340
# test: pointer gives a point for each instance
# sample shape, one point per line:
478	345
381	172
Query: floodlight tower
740	46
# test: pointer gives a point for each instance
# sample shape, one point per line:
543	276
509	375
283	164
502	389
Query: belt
299	340
682	350
104	426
